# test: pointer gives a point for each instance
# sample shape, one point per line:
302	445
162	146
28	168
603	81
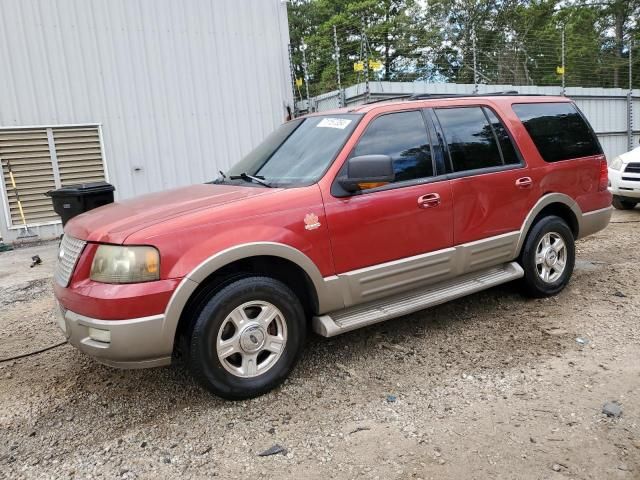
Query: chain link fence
523	62
346	66
325	64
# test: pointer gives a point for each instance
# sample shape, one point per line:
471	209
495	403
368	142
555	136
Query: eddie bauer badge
311	221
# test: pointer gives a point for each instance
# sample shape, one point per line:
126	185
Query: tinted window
470	138
558	130
402	136
506	145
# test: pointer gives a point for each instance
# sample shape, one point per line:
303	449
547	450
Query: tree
390	31
517	42
622	17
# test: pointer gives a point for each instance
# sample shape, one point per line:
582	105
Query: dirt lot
492	386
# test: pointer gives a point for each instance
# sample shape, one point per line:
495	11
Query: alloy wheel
551	257
251	339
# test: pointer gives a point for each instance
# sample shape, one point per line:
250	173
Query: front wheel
623	204
247	338
548	257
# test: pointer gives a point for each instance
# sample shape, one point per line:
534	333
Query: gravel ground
491	386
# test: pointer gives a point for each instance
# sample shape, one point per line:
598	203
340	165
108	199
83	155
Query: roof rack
395	97
431	96
427	96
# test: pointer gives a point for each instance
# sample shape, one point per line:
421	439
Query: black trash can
76	199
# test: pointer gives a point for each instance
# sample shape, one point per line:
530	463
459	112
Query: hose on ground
24	355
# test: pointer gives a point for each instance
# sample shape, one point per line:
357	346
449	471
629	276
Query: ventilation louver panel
79	160
79	155
27	152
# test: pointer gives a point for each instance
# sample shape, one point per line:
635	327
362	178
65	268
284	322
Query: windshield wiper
250	178
221	179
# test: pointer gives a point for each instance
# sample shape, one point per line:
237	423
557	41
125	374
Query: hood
113	223
631	156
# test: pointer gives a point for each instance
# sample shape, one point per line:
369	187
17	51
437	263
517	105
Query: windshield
298	152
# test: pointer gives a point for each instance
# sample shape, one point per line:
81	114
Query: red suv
336	221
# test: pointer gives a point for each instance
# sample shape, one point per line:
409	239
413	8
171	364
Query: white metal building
149	94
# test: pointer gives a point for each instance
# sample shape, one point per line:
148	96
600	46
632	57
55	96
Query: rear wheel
623	203
548	257
247	338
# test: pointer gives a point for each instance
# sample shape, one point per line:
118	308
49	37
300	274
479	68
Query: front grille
70	250
631	179
633	167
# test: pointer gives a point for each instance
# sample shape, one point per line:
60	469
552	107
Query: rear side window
403	136
558	130
476	138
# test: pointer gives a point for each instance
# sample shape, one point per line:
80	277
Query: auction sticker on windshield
340	123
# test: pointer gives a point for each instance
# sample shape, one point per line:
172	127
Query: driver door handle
429	200
524	182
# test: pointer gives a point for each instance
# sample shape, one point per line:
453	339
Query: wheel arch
557	204
279	261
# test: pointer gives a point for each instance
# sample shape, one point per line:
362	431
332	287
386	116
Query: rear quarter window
558	130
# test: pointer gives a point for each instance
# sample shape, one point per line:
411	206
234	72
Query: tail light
603	183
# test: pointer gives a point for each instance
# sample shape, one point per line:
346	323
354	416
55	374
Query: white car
624	179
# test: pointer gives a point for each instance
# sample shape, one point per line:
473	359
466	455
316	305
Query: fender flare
327	298
541	204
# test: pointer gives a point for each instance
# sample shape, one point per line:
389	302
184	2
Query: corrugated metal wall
606	108
182	88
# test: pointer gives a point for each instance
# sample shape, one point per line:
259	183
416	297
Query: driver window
402	136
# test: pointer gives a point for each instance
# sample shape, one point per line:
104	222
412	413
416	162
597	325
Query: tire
545	233
233	352
621	204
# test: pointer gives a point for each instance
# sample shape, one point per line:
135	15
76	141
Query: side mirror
364	169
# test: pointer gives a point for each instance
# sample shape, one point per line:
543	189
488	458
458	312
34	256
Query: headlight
119	264
616	164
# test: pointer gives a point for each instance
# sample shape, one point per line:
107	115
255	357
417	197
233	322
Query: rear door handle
429	200
524	182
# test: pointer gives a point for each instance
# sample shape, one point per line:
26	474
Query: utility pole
563	78
475	64
305	69
293	78
630	99
336	56
366	62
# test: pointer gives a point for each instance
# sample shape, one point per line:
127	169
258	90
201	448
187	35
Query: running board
352	318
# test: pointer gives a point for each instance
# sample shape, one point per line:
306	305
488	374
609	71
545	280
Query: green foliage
517	42
394	32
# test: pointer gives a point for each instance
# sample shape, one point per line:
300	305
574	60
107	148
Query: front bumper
624	184
134	343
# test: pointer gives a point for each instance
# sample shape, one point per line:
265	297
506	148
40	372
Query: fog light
99	335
